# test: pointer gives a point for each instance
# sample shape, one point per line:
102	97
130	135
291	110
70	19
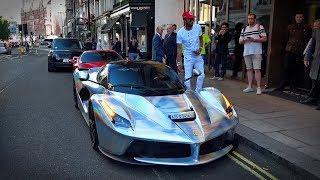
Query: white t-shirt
189	39
254	32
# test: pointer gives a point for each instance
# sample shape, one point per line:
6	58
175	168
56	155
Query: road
43	136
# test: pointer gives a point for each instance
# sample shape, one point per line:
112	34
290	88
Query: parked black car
62	50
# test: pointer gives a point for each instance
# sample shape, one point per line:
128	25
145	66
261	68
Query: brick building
37	15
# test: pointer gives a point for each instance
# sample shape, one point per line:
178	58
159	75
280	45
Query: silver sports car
140	112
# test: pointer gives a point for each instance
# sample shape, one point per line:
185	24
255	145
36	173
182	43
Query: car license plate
183	115
65	60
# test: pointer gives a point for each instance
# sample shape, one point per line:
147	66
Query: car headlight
117	120
228	108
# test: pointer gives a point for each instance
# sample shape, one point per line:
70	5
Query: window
143	79
100	56
66	44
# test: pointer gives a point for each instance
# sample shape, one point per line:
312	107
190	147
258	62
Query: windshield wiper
135	86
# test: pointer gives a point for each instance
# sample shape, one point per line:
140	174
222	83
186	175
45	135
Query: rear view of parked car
4	48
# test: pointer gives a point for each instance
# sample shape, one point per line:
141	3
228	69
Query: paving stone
293	122
311	151
309	135
261	126
286	140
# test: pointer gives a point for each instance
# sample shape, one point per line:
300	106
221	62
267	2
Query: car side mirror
83	75
73	60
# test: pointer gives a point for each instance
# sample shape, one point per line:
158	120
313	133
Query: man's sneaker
248	89
214	78
220	79
259	91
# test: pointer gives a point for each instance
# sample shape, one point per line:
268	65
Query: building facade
36	15
275	16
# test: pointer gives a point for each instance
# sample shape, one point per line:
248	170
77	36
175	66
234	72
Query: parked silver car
140	112
4	49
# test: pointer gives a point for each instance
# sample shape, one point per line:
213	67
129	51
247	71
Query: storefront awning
108	26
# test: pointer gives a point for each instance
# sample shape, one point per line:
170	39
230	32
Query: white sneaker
248	89
214	78
259	91
220	79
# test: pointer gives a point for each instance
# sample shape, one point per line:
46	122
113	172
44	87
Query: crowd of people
187	49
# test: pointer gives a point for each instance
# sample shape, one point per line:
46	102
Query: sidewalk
287	130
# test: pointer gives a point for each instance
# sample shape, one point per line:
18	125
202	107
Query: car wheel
75	99
93	130
50	68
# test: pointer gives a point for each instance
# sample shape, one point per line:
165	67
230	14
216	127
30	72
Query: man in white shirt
252	37
189	37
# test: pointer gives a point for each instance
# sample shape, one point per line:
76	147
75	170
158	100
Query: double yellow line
248	165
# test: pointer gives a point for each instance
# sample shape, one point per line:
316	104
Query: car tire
93	130
75	99
50	68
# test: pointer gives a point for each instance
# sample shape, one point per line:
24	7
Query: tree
4	29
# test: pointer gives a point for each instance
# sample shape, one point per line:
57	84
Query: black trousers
236	64
291	67
171	61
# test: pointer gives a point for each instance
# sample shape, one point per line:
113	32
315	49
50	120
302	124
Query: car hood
93	64
151	116
62	54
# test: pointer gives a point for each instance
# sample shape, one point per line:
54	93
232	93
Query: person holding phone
252	36
222	39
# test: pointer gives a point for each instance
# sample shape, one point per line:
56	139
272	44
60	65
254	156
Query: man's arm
179	56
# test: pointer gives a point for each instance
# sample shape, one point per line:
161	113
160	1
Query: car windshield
98	56
66	44
144	79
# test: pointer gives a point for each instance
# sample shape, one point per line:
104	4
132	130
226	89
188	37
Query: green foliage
4	29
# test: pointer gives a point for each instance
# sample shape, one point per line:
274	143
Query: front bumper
60	64
143	151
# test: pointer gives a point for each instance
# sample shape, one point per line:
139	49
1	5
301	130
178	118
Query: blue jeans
220	59
133	56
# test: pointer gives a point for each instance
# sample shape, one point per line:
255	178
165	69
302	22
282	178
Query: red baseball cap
188	15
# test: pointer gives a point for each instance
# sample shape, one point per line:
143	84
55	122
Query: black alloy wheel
93	130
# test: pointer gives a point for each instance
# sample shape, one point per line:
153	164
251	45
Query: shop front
275	16
131	19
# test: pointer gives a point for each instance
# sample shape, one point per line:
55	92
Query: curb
297	161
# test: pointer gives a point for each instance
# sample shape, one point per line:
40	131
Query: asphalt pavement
43	136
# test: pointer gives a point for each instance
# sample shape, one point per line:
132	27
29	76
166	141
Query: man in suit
157	46
170	47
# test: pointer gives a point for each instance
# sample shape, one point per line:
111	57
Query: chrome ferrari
140	112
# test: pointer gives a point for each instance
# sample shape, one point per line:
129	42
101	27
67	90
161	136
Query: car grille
214	144
158	149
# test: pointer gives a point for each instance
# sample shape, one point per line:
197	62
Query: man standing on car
252	37
189	37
